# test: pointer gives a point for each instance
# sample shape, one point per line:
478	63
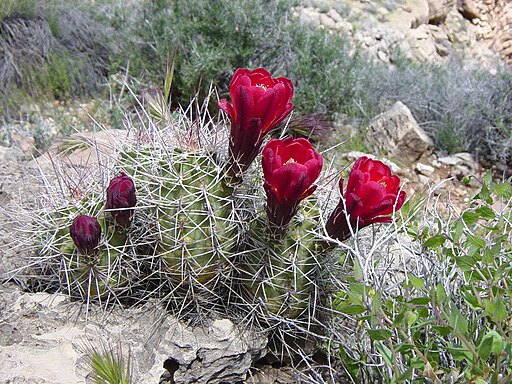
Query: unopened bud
85	232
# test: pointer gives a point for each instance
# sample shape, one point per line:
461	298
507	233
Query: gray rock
45	337
449	160
424	169
439	9
354	155
217	353
422	43
411	14
469	9
468	160
395	132
326	21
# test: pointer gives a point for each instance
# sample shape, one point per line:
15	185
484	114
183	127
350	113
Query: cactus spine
280	269
197	231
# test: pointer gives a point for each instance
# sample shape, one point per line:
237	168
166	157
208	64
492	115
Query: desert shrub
461	109
18	8
445	317
325	72
205	39
54	51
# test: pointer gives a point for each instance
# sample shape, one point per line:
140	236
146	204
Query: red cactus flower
85	232
260	103
120	198
372	194
290	167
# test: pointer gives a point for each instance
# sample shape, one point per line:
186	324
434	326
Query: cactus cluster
193	219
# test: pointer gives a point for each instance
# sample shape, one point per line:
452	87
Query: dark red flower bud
290	168
121	199
372	194
85	232
260	103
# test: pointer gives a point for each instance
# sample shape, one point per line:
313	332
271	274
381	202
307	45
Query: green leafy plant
449	320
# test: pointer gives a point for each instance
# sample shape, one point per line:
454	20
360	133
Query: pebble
424	169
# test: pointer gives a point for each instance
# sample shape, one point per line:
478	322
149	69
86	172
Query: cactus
191	228
200	237
197	232
279	273
99	275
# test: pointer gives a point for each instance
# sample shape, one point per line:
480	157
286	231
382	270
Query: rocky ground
422	30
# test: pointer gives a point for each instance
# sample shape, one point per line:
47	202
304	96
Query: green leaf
492	342
404	348
457	231
485	212
457	320
406	375
503	190
500	310
423	312
470	299
417	362
485	193
420	301
488	256
379	334
466	263
385	352
435	241
416	282
476	241
485	347
459	353
440	293
376	303
470	218
354	309
410	318
489	307
442	331
358	270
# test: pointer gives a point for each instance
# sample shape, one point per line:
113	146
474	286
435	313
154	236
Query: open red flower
290	167
120	198
260	103
372	194
85	232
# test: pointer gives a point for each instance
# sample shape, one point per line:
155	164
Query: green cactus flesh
280	269
197	233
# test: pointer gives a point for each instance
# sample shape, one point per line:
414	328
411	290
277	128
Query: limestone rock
500	15
477	31
44	339
354	155
450	160
424	169
469	9
396	132
438	10
411	15
217	353
422	43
